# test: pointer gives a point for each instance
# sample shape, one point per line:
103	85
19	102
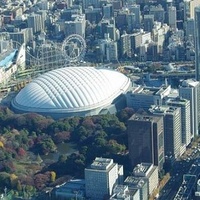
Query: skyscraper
189	89
184	104
146	139
172	129
197	42
172	17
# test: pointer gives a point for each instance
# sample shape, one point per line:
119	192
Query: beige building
149	171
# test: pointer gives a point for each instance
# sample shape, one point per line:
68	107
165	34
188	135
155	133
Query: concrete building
111	51
130	22
22	36
75	26
121	192
125	45
189	89
108	11
87	3
149	171
143	97
172	17
136	40
158	12
36	22
172	129
148	22
189	29
135	9
138	183
101	177
189	8
184	104
146	139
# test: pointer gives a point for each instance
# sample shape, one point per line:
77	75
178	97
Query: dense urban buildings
150	34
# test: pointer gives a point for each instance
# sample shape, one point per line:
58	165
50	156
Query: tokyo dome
74	91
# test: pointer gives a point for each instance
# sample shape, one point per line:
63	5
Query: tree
21	152
13	180
53	176
19	186
1	145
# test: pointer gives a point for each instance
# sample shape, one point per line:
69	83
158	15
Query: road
171	188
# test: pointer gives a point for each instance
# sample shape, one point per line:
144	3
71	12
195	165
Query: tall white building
76	26
189	8
189	89
101	177
184	104
172	129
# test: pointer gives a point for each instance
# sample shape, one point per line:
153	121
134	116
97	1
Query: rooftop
139	117
7	58
163	109
136	182
142	168
101	163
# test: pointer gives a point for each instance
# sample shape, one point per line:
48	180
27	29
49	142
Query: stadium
74	91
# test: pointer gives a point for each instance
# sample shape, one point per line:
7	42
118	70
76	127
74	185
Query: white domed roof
71	89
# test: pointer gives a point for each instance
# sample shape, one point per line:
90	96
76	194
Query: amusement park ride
48	56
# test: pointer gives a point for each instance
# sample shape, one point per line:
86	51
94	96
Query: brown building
146	139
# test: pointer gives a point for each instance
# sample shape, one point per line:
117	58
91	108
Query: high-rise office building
184	104
172	17
75	26
36	22
148	22
189	8
172	129
189	89
101	177
146	139
125	45
136	10
197	42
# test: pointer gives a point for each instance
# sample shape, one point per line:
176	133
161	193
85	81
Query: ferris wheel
74	48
